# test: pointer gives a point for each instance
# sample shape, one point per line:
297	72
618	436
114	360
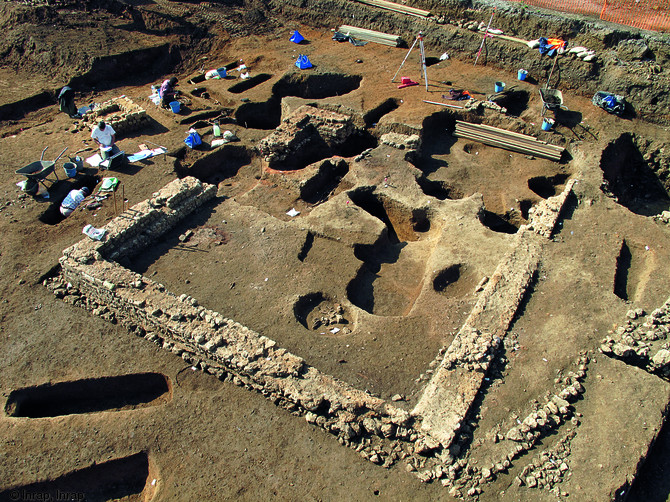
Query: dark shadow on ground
653	483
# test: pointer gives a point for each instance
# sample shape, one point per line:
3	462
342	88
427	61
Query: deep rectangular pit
123	478
115	393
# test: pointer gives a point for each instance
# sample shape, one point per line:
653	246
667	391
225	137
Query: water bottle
217	129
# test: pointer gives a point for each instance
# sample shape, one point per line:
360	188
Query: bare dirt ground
401	290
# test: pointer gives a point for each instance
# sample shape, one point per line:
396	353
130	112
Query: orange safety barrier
644	14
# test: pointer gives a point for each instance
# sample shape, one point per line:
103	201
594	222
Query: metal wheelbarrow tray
552	99
40	169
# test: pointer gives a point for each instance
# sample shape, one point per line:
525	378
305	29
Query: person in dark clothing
168	92
66	102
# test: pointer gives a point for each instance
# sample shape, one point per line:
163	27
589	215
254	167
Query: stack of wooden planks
371	36
396	7
508	140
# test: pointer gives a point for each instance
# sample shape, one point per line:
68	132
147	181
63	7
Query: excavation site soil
352	289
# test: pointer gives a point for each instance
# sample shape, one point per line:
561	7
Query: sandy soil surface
245	257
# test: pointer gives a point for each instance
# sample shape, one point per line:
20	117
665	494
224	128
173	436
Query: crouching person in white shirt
103	134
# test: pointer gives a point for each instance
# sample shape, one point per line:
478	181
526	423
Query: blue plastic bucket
522	74
70	169
175	106
499	86
547	124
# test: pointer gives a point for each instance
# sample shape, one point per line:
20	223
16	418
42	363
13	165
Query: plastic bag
193	139
303	62
296	38
611	103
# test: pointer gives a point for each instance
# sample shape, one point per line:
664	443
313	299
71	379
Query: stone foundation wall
91	278
121	113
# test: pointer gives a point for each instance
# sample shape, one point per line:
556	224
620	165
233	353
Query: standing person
72	200
66	102
103	134
168	92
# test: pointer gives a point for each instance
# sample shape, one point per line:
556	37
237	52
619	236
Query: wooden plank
538	146
516	147
442	104
505	133
529	146
371	36
496	129
548	149
403	9
511	39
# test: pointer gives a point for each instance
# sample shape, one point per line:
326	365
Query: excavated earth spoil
347	299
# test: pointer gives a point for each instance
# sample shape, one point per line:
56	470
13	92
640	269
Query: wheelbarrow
38	171
552	99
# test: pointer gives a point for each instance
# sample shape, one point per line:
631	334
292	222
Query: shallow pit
372	117
547	186
218	165
58	192
319	312
497	223
402	223
634	266
455	281
439	189
249	83
267	115
524	207
623	263
327	179
515	100
306	247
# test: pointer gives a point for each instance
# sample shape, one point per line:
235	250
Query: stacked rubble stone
464	479
543	216
549	468
402	141
459	376
643	341
307	127
121	113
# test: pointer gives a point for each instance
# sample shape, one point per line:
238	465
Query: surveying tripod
419	38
